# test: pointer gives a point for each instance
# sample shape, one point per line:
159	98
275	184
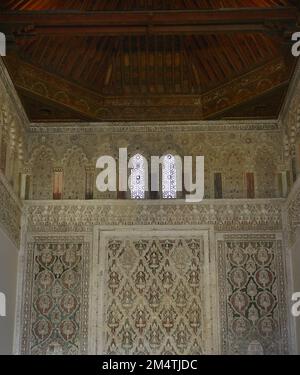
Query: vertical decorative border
285	346
25	284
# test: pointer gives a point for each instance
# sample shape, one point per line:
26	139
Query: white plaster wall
8	285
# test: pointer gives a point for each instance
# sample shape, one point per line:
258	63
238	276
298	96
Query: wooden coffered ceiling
139	60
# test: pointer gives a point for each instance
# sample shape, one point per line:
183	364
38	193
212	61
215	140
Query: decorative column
57	183
89	182
25	184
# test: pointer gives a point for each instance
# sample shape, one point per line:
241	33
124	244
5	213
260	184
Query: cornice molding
154	126
155	202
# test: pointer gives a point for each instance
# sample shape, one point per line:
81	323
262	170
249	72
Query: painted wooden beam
149	22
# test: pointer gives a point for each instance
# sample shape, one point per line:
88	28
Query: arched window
138	174
169	189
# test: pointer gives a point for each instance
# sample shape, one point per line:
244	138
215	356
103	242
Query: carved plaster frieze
228	215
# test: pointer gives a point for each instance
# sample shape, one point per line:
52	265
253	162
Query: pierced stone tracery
169	188
138	177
